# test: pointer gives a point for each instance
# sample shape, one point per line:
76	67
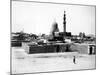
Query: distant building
54	28
64	33
59	36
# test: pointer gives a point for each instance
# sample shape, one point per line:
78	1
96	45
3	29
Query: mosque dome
55	27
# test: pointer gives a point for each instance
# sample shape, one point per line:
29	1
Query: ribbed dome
55	27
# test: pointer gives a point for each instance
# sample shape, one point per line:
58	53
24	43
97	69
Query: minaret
64	22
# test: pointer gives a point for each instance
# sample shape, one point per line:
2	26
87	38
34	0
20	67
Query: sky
38	18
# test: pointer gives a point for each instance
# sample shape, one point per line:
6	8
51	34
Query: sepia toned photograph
52	37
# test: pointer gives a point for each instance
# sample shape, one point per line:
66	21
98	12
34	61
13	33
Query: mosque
59	36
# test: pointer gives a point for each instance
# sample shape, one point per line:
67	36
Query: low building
84	48
31	48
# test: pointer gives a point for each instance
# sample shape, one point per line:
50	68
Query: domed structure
54	28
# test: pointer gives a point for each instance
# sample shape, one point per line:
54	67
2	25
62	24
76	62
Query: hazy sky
38	17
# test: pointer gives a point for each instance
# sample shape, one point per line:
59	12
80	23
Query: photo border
46	3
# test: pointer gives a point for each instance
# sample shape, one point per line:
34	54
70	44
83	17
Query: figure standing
74	60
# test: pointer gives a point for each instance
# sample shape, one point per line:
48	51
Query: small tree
21	37
81	35
84	35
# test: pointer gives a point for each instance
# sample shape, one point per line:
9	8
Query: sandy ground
32	63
